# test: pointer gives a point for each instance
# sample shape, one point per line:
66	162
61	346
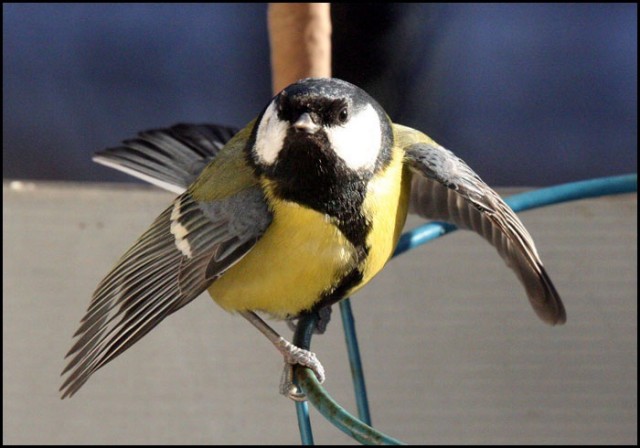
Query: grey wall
452	351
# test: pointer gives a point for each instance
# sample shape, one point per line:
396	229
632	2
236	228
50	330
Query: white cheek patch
358	141
270	137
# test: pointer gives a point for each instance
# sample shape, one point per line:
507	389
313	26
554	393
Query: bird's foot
295	355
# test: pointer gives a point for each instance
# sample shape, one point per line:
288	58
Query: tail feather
168	158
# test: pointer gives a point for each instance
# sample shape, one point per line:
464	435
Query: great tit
293	213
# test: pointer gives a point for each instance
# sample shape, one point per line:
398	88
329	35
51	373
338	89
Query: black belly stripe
348	282
309	173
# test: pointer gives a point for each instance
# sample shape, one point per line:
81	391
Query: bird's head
321	130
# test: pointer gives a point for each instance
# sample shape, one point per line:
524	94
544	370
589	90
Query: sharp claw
295	355
288	387
292	355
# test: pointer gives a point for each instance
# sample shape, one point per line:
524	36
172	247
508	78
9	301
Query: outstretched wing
444	188
190	245
168	158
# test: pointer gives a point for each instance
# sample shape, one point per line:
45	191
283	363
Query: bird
289	215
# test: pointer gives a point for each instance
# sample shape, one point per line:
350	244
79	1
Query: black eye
343	115
282	106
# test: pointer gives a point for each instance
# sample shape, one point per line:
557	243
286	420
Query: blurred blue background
526	94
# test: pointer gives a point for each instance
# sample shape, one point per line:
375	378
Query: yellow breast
387	204
299	257
302	254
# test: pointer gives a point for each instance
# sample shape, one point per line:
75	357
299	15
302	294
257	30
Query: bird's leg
324	317
292	355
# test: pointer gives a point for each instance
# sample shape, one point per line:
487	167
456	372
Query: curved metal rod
340	418
318	396
357	372
304	423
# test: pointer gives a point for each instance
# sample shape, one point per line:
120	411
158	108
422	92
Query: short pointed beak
306	123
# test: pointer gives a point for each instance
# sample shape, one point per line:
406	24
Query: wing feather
445	188
186	248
